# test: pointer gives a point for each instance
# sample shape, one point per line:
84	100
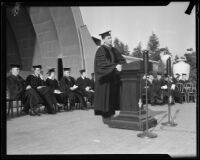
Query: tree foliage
123	48
191	59
137	52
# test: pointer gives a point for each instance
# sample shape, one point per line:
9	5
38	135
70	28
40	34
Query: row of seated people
157	88
37	90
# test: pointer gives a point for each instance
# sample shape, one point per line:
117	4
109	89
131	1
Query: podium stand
131	116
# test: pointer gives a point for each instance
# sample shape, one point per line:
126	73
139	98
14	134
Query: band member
149	87
54	86
107	65
69	87
156	94
37	82
84	86
176	79
168	95
177	93
18	89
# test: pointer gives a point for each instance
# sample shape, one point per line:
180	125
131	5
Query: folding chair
11	106
182	91
192	93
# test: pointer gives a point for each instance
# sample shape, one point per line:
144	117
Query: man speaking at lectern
107	66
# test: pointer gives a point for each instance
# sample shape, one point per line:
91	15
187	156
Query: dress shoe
83	107
106	120
52	112
159	101
24	112
34	113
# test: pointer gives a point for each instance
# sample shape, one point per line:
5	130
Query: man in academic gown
69	87
107	65
18	89
84	88
53	84
37	82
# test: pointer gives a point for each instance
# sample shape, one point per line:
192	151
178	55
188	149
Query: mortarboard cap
103	35
15	66
159	73
51	70
166	75
37	66
66	69
82	70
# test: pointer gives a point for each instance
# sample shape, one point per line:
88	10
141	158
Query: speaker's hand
119	67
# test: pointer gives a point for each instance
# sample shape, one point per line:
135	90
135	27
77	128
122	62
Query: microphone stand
146	133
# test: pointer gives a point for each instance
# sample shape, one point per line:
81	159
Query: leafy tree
153	47
137	52
123	49
126	50
191	59
176	57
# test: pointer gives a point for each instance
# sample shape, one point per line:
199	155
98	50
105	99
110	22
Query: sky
134	24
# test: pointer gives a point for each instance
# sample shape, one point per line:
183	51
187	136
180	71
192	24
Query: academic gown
65	84
107	80
82	84
16	86
53	85
44	92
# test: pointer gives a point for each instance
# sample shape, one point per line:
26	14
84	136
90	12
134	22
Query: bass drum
181	68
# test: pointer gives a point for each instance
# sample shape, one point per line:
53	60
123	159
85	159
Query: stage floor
80	132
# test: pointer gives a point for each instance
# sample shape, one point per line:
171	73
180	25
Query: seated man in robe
84	86
37	82
54	86
67	85
17	89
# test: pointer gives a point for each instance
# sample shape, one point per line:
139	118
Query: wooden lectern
131	116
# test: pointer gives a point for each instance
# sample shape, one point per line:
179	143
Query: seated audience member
18	89
37	82
84	88
92	82
67	85
54	86
156	93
